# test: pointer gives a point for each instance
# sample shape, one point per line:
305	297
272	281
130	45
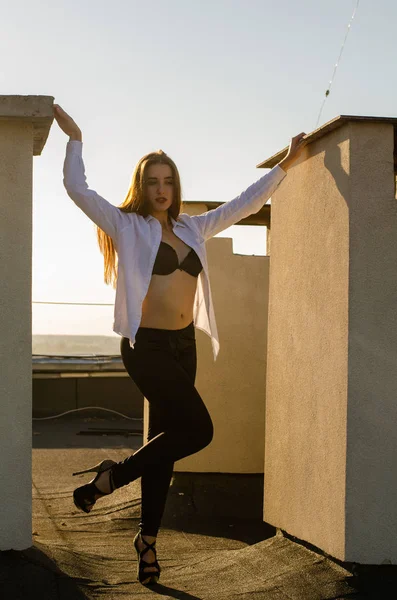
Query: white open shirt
137	240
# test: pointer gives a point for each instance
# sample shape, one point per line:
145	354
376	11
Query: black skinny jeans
163	365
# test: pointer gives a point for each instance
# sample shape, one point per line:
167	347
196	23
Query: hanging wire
86	408
337	62
74	303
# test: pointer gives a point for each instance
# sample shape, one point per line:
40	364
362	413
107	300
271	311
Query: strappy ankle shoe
84	496
151	577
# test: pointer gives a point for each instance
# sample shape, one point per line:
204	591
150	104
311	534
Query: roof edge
271	162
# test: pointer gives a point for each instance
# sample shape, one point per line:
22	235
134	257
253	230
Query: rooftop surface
205	547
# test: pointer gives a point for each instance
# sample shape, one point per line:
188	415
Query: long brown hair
136	201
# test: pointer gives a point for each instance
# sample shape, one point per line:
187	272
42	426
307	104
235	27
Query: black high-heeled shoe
146	577
84	496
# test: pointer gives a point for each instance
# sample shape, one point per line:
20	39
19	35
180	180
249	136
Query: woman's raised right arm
107	216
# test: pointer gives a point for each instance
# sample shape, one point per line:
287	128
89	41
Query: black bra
167	261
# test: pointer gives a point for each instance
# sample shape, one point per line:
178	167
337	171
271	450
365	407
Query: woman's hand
66	123
295	149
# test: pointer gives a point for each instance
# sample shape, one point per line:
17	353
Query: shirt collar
149	217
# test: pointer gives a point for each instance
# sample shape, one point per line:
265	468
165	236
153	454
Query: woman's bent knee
200	435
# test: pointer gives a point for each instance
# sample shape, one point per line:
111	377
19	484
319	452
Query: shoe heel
84	496
102	466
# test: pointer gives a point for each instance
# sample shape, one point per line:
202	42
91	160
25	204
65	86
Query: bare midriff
169	301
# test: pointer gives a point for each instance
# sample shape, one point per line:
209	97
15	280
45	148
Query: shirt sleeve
247	203
107	216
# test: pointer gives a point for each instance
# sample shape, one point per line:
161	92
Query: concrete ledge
36	109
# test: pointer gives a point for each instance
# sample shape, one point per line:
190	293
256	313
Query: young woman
155	256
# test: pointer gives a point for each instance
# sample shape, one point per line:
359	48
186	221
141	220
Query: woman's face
159	188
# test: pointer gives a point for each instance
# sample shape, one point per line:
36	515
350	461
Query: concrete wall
233	387
25	122
330	448
371	488
16	151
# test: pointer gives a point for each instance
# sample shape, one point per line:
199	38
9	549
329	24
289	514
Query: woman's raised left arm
251	200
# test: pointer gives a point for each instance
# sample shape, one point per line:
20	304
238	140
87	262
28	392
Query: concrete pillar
331	413
24	127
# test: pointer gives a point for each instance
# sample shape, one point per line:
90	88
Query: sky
219	85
